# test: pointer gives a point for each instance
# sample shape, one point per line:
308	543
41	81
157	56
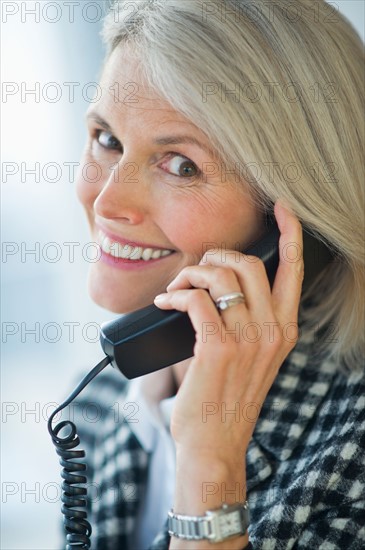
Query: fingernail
161	298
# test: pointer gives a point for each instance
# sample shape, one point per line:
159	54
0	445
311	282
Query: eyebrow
96	118
163	140
177	140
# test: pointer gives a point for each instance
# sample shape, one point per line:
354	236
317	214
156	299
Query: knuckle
197	295
223	275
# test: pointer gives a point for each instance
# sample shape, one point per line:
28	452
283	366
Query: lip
120	240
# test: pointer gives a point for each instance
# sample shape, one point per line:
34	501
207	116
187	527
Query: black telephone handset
150	339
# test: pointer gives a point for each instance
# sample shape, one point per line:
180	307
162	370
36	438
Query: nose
123	196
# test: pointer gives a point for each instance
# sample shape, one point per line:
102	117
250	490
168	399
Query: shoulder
314	491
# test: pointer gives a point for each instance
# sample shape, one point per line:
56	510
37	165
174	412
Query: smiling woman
213	115
153	207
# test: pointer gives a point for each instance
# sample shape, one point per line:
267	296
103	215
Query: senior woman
211	114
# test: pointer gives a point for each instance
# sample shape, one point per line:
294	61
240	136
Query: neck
164	382
179	371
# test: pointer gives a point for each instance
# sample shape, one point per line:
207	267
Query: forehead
125	85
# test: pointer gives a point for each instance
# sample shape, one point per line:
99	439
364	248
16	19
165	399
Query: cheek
187	225
195	226
89	182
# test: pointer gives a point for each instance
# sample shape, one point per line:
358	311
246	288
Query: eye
107	140
182	166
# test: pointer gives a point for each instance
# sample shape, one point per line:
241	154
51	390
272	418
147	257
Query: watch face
230	524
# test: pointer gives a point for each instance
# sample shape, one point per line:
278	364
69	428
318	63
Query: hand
239	351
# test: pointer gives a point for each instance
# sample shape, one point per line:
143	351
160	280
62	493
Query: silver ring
229	300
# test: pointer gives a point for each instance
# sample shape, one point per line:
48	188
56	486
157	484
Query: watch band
216	525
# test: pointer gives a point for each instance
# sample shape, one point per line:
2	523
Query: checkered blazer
305	463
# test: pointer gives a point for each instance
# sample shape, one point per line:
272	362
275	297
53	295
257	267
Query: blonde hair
294	123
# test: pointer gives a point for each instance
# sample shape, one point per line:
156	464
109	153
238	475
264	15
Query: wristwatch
217	525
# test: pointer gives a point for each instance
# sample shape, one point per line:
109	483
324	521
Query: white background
35	375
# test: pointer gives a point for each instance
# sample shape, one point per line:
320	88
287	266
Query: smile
129	252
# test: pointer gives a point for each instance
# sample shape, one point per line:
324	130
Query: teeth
156	254
106	245
147	254
136	253
126	251
129	252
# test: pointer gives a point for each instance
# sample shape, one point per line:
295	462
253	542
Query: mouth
130	252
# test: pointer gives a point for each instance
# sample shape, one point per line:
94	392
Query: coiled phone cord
73	497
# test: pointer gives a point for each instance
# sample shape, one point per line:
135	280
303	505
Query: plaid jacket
305	463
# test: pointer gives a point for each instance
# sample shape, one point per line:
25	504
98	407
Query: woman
211	114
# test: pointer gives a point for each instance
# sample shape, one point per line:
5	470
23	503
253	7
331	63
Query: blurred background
51	56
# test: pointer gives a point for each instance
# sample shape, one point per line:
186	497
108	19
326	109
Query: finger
252	280
198	304
287	286
219	281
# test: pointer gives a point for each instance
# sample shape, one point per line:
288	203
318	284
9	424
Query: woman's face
152	192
